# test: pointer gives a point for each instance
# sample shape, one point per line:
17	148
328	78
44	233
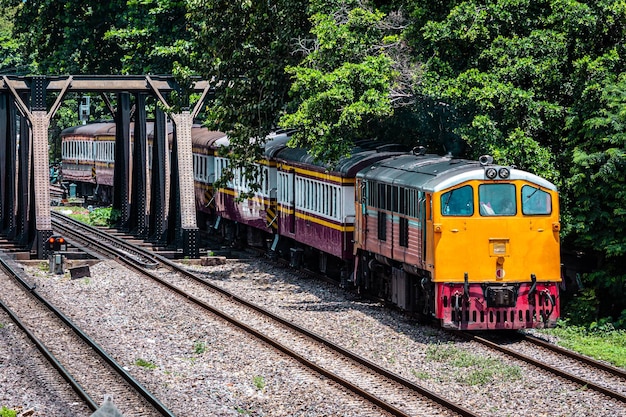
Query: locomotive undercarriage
498	306
465	305
401	285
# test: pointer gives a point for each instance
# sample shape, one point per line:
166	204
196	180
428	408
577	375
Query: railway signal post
56	246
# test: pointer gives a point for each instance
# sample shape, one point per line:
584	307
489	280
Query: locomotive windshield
497	199
535	201
458	202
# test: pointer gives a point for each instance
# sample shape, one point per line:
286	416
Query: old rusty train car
88	156
471	244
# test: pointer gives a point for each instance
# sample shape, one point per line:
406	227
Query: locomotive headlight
504	173
491	173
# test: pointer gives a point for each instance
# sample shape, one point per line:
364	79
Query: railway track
584	371
80	361
391	393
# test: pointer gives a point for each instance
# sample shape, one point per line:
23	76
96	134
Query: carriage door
360	211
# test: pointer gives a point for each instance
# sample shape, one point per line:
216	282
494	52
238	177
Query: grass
199	347
7	412
473	369
420	374
259	382
145	364
601	344
97	217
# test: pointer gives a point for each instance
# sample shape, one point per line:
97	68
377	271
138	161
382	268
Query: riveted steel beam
121	168
104	83
159	180
183	123
138	203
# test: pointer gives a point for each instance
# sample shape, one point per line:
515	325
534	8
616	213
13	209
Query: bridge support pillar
8	165
138	204
159	180
122	161
34	179
183	123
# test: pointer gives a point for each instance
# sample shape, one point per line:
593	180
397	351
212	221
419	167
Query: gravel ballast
202	367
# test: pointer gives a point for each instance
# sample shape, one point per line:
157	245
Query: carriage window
458	202
497	199
535	201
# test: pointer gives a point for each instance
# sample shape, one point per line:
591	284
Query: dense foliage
246	45
535	83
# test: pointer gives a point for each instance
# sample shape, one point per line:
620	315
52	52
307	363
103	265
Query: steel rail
346	353
541	365
122	248
65	374
613	370
147	395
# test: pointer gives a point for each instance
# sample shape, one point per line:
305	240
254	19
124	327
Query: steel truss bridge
24	158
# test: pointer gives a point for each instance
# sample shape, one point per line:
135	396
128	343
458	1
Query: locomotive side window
497	199
459	202
535	201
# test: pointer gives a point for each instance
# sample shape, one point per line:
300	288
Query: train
470	244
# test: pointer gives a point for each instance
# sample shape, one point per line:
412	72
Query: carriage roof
363	154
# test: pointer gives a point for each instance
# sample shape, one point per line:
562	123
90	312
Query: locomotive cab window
535	201
497	199
458	202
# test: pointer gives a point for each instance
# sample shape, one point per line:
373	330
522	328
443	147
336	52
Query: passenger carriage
256	212
316	203
204	147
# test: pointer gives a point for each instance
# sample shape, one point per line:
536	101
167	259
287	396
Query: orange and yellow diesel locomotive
471	244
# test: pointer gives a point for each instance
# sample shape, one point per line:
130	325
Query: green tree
11	60
158	32
498	66
597	183
245	46
343	83
114	37
68	37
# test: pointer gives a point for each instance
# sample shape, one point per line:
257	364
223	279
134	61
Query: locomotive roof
435	173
